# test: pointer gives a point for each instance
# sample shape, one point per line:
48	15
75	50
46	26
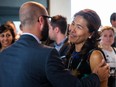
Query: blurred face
6	38
52	33
78	31
114	23
107	37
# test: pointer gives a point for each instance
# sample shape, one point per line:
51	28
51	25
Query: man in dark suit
28	63
57	33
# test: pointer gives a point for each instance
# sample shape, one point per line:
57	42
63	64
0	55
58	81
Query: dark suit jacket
64	48
29	64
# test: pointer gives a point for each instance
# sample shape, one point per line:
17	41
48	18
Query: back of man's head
30	11
59	21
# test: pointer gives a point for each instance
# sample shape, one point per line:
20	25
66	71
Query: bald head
30	11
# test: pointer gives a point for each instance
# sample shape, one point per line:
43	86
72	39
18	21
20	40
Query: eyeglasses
45	16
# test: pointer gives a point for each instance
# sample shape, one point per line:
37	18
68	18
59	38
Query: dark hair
93	20
113	17
93	24
59	21
11	23
4	28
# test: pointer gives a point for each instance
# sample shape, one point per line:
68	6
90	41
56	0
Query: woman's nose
72	29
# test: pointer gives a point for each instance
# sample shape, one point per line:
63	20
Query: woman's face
78	31
107	37
6	38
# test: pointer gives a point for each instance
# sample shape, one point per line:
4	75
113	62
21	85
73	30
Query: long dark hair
93	24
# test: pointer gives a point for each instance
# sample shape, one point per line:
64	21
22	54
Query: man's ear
21	27
57	29
41	22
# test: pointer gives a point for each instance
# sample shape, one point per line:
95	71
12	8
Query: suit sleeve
60	77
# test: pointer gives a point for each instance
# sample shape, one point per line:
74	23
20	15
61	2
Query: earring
89	37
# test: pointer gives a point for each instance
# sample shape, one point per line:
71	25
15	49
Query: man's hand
102	70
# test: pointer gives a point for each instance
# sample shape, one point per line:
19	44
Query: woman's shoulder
96	54
95	58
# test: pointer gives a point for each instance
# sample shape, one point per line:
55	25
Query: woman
84	54
7	36
107	39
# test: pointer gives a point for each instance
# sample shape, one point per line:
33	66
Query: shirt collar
32	36
62	42
58	46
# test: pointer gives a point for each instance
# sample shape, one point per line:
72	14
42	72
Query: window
104	8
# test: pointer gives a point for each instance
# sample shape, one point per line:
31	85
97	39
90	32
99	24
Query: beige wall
61	7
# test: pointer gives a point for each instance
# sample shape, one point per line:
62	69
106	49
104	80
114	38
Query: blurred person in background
106	40
113	23
11	24
7	36
57	33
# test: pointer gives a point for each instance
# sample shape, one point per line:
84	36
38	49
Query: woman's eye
2	35
8	35
79	27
